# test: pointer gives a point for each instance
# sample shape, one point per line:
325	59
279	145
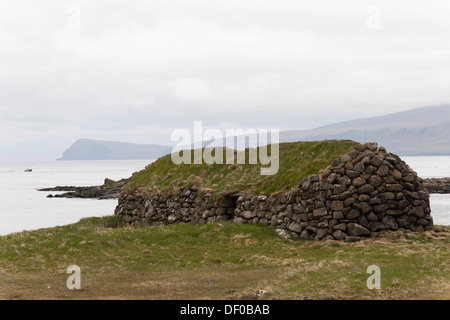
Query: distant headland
87	149
416	132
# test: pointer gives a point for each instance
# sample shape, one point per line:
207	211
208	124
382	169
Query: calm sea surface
22	207
434	167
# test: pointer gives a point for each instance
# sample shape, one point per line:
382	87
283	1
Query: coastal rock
437	185
109	190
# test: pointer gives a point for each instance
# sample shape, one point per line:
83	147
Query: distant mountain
86	149
422	131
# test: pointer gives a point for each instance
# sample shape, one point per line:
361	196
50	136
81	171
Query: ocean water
434	167
22	207
430	167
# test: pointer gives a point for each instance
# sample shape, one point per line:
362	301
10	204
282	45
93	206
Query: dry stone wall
362	194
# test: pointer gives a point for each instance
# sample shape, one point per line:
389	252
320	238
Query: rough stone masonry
362	194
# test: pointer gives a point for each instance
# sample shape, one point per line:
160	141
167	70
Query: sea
23	207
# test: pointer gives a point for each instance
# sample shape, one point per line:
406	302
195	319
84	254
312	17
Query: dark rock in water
109	190
437	185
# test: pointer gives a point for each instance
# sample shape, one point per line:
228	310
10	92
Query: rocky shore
109	190
437	185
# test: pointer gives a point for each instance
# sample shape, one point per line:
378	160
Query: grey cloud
136	70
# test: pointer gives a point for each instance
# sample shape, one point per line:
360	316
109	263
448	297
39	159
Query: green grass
117	184
296	161
216	261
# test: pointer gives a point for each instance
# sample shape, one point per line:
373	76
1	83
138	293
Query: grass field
216	261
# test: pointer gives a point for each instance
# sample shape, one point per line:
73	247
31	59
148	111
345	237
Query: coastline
109	190
24	208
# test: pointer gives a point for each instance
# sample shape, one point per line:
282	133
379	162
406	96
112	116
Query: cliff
86	149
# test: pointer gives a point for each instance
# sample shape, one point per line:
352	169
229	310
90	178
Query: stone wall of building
361	194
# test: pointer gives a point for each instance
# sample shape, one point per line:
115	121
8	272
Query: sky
134	71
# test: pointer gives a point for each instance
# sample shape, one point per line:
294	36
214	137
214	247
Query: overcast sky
136	70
